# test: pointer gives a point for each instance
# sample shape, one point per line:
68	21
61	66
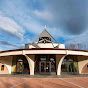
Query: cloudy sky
21	21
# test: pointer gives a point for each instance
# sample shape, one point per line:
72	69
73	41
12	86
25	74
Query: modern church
44	56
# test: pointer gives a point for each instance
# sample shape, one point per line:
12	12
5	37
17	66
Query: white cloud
11	47
11	27
55	32
29	41
44	15
31	24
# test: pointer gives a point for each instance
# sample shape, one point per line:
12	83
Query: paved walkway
43	82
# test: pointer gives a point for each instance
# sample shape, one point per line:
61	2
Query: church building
44	56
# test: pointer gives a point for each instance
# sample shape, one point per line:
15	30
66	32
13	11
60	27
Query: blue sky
21	21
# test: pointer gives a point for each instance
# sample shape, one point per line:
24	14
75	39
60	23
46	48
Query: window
2	67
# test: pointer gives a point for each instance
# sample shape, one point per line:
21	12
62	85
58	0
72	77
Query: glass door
45	67
19	67
48	66
70	67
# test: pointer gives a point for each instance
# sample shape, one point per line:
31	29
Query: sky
21	21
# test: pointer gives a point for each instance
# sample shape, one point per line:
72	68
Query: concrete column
59	59
30	59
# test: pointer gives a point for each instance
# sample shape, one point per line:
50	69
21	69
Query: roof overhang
44	51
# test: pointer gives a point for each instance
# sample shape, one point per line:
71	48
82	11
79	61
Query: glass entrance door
42	67
45	67
48	66
19	67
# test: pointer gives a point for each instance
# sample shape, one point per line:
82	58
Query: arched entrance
20	65
69	65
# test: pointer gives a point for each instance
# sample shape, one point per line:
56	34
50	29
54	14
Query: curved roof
44	51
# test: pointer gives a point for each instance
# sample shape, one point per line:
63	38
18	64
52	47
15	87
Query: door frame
44	67
22	67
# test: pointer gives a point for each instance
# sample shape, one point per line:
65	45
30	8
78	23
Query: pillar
59	59
30	59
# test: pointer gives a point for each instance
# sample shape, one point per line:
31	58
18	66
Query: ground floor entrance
44	67
45	64
20	65
70	65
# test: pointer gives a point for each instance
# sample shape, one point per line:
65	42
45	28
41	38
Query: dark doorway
45	67
70	65
45	64
20	65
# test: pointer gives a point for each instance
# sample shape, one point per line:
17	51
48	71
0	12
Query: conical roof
45	33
